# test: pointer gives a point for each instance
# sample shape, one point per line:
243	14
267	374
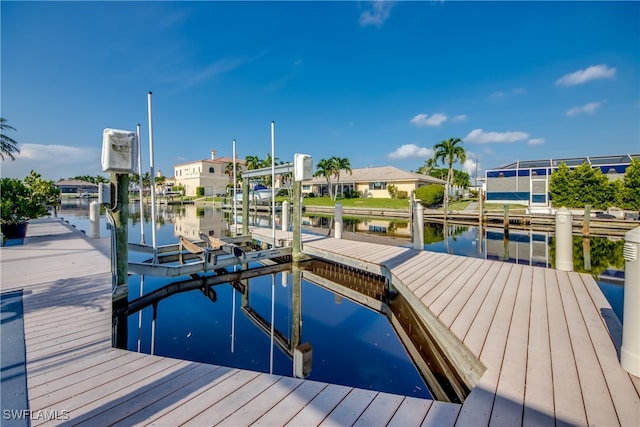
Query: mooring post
564	240
630	351
120	297
338	221
296	250
480	209
418	227
94	219
285	215
505	221
245	207
586	220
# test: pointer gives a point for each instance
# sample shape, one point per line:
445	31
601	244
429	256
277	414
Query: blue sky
379	83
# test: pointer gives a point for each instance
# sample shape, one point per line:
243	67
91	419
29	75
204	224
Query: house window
211	170
377	186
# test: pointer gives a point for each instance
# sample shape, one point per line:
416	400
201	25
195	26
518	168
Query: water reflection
283	323
599	256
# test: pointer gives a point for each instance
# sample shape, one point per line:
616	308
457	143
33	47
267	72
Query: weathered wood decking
544	336
75	377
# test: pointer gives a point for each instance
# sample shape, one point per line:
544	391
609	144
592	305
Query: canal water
350	343
523	247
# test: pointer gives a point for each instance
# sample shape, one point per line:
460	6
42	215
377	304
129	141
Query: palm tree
325	168
8	146
339	163
228	170
428	166
449	151
252	162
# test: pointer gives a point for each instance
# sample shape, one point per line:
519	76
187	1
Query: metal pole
235	203
245	206
153	187
630	351
564	240
273	182
140	189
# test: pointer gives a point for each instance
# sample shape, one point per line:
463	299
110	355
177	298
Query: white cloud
422	120
377	14
410	150
536	141
593	72
515	91
482	137
469	166
53	161
589	108
459	118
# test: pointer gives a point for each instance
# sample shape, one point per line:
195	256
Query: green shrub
402	195
199	191
430	195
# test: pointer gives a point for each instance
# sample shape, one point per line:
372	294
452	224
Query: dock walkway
75	377
549	339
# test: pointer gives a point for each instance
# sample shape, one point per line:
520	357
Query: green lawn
359	203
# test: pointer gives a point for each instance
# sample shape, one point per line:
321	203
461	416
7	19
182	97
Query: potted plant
19	203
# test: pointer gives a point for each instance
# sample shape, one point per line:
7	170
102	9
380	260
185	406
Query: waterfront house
208	173
76	186
527	182
371	182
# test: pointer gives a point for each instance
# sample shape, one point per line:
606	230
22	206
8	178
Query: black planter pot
14	231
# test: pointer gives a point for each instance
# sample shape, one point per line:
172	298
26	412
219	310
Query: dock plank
596	397
264	402
380	411
293	403
350	408
321	406
568	401
411	412
538	398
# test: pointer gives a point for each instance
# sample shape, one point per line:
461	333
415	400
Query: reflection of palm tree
449	152
8	146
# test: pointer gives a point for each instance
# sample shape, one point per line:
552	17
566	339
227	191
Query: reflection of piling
630	351
564	240
505	242
337	233
586	251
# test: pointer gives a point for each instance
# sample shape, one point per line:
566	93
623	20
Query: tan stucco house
208	173
372	182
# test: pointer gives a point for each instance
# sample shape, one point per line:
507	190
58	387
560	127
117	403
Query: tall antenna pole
153	187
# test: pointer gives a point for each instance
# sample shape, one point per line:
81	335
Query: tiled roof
381	173
74	182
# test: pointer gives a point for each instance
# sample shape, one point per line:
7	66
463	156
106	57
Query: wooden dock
548	341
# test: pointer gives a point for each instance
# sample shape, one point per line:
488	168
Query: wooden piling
586	220
296	250
120	298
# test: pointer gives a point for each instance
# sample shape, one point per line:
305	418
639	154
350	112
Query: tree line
585	185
